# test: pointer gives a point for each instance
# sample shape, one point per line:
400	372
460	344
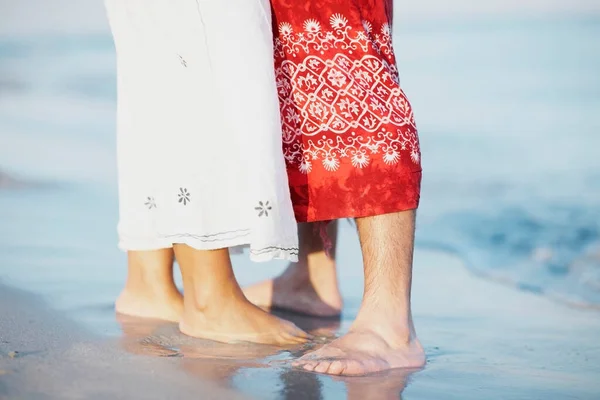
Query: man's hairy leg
383	335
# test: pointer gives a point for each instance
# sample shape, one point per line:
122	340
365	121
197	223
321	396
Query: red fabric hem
301	217
375	190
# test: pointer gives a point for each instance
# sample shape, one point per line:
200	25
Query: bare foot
291	292
383	335
308	287
215	307
361	352
237	320
150	304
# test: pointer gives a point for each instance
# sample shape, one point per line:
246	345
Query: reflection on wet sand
383	386
235	365
138	333
219	362
297	385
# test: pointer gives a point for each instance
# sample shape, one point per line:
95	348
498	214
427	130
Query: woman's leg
215	307
150	290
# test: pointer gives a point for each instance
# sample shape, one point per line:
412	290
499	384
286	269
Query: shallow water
509	122
509	125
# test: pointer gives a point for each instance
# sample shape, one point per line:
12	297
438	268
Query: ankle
322	271
154	289
153	278
214	302
395	335
311	271
296	273
394	325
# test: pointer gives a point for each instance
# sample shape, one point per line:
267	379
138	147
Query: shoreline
477	334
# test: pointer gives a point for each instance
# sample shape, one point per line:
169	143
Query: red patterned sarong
349	135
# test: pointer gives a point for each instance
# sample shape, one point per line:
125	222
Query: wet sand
483	341
44	355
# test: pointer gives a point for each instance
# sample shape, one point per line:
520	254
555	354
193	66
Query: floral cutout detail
150	203
182	61
263	208
184	196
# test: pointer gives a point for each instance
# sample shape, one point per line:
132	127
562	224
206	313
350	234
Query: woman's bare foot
308	287
150	290
238	320
364	351
215	307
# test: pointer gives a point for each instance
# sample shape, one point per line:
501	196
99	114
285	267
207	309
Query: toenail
336	368
322	367
309	367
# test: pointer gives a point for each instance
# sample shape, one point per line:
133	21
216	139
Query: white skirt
199	136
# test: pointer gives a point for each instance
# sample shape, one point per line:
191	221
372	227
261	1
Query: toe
291	334
312	357
299	363
337	367
295	338
354	367
322	367
299	334
309	366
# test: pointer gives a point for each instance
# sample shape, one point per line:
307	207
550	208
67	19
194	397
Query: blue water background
509	118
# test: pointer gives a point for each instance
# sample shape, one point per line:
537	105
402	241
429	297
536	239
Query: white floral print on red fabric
339	98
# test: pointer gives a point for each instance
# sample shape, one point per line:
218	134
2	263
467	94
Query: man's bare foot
150	304
383	335
363	351
308	287
238	320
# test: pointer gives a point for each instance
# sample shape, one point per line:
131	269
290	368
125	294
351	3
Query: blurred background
507	99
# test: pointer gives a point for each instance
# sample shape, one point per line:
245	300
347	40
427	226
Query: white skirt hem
235	245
